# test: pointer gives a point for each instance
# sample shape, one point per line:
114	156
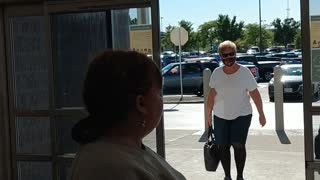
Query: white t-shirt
232	99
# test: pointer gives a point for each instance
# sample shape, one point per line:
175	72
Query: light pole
260	35
161	18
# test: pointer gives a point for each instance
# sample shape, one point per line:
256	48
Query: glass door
29	93
310	18
48	50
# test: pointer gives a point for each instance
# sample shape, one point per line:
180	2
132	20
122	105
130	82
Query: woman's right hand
209	120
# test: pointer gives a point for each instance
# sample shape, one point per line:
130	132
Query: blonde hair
226	44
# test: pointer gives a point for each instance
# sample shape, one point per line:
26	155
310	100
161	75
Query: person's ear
140	104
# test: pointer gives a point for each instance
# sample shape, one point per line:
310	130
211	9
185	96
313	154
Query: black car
292	83
192	77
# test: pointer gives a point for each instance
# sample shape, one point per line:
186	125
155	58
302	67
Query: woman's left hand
262	119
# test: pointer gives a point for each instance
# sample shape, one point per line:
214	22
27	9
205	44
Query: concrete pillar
278	98
143	16
206	88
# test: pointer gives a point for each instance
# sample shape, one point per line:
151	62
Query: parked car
192	77
263	63
253	50
292	83
296	60
201	59
253	68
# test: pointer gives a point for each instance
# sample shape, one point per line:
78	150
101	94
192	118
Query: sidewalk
271	155
267	157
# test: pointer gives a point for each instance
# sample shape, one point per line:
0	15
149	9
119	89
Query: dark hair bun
86	130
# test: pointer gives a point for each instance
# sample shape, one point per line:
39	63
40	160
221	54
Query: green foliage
285	32
166	43
206	34
223	28
297	40
133	21
228	29
252	36
192	41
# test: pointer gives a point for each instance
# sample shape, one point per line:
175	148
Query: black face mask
229	61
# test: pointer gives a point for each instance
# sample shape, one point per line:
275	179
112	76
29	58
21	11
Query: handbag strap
210	134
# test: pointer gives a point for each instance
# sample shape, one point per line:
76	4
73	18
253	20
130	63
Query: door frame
5	151
309	110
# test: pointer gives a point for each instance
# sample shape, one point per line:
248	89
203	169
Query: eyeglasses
225	55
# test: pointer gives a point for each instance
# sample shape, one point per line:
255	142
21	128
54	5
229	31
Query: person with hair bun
122	94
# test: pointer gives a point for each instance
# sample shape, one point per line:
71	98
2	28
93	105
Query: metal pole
206	88
181	83
278	98
260	41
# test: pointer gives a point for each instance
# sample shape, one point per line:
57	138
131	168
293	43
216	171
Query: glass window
33	170
76	38
175	70
64	169
30	65
33	135
293	71
192	68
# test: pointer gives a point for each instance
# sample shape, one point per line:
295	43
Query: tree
252	36
227	29
206	34
192	41
285	32
166	43
297	40
133	21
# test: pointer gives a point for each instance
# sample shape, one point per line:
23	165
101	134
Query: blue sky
200	11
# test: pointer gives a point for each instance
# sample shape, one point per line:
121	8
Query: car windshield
245	63
292	71
166	68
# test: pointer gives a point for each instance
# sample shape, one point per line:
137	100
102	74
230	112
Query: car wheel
267	76
199	92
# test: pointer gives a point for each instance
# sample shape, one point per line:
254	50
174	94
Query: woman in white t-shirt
231	87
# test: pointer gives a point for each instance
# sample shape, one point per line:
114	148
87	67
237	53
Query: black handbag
211	152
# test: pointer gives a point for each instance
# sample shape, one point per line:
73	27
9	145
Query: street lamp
260	35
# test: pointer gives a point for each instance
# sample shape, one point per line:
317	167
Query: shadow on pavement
283	137
170	110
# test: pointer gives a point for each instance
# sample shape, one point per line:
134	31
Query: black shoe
240	179
227	178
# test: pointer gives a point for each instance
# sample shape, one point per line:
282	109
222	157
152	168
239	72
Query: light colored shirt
232	99
104	160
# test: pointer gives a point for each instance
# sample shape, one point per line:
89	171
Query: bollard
278	98
206	88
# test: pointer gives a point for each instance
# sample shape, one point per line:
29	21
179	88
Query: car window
191	68
292	71
211	66
246	58
175	70
166	68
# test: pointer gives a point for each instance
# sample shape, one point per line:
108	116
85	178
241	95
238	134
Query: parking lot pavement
190	98
270	155
191	116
